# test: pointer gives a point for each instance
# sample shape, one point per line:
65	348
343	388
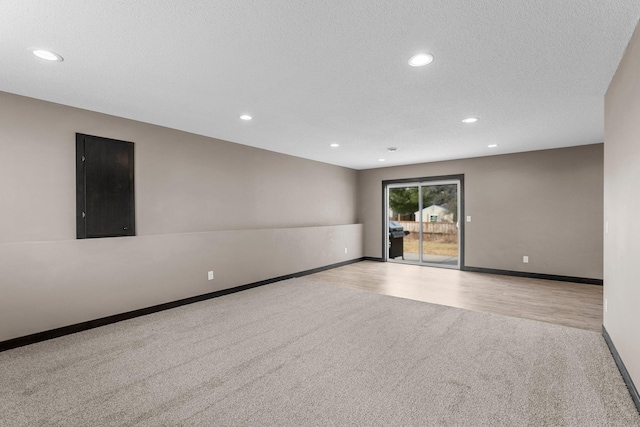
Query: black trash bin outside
396	240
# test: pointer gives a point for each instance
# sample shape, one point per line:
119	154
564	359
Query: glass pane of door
404	236
438	221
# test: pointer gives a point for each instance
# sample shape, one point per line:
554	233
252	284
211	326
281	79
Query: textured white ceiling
318	72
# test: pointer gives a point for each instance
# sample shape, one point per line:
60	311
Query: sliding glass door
423	222
439	224
404	238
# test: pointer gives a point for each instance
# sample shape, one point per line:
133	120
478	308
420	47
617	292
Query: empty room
394	213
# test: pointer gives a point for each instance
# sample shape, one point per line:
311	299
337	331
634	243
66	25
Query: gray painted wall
250	215
622	205
201	204
544	204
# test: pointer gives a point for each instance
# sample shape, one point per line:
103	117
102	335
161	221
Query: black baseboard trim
312	271
584	280
623	369
91	324
372	258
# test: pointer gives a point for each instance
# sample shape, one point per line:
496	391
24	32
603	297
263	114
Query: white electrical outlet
210	275
525	259
468	218
345	250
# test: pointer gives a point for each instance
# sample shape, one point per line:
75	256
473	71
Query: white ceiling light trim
470	120
334	145
420	59
47	55
492	145
246	117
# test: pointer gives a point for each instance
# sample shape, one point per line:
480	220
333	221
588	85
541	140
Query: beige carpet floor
300	353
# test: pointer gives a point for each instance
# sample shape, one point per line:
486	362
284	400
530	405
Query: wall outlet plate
525	259
210	275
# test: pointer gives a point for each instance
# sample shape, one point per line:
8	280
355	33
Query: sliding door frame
419	181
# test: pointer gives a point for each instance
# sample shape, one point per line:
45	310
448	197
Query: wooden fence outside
430	227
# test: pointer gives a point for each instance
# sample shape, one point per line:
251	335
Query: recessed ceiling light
48	55
381	160
420	59
470	120
392	149
246	117
492	145
334	145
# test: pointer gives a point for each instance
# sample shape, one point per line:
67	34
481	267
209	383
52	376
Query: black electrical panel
105	203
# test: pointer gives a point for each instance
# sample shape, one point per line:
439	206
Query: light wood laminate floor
571	304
